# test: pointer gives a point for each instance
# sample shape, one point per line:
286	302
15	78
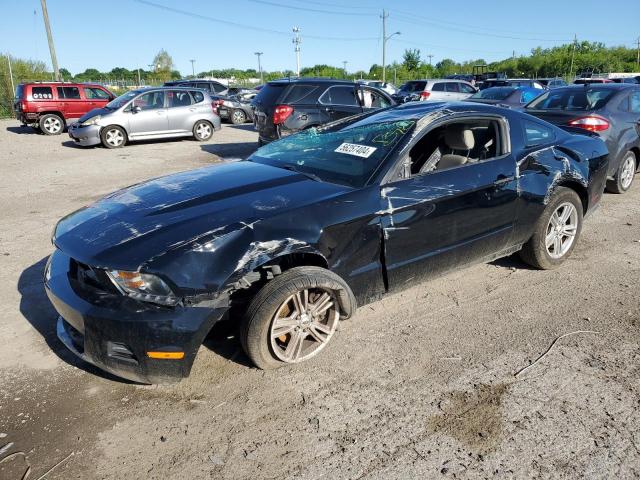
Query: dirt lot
419	385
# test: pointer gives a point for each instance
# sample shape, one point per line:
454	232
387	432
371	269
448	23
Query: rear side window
41	93
452	87
197	96
340	95
634	102
204	86
301	94
415	86
217	87
178	98
573	99
93	93
269	94
438	87
71	93
537	134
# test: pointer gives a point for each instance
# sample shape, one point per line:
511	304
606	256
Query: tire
326	291
202	130
51	124
536	252
238	117
623	178
113	136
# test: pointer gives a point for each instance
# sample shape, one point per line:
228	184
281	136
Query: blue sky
129	33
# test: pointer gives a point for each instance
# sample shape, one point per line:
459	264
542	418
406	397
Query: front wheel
202	130
294	316
624	176
113	137
556	232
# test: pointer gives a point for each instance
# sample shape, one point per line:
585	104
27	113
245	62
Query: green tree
411	59
163	65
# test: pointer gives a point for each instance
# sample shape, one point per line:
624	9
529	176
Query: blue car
511	97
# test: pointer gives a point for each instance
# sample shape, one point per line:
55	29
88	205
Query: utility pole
52	48
258	54
297	41
638	54
430	57
344	68
384	44
13	88
138	76
573	54
193	68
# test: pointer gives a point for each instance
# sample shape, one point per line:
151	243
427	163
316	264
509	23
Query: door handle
192	109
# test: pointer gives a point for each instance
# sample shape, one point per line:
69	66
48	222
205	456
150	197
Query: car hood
93	113
129	227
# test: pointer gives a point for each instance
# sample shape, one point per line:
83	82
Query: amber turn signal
166	355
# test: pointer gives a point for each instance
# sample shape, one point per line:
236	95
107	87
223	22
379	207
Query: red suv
49	106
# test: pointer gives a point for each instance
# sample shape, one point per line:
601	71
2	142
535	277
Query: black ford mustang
291	240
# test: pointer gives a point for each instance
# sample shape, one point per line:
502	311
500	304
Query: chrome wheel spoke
566	213
282	326
549	239
561	230
317	335
569	230
300	301
321	305
294	347
321	327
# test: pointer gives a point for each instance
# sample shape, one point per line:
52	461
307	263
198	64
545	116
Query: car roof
311	80
605	86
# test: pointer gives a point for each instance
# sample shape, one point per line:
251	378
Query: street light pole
52	48
430	57
193	68
384	44
258	54
344	69
297	41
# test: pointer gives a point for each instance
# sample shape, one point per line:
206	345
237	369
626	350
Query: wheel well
52	112
126	134
636	152
580	190
299	259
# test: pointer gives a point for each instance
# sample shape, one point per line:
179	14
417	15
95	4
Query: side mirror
136	109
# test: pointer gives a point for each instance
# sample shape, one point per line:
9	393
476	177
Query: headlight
91	121
143	286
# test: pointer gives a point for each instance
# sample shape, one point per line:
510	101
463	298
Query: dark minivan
611	110
287	106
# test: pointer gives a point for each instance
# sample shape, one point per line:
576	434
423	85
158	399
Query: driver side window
150	101
456	144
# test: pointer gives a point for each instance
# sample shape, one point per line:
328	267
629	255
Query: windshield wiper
312	176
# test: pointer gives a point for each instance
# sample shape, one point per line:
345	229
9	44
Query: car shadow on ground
36	308
512	262
137	143
248	127
223	340
23	130
231	151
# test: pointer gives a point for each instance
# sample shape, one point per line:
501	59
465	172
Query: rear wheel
556	232
624	176
113	136
294	316
202	130
51	124
238	117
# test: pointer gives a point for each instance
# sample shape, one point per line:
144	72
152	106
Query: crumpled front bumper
85	136
115	332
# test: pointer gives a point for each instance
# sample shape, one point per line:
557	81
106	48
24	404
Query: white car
438	90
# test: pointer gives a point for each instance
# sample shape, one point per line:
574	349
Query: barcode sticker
363	151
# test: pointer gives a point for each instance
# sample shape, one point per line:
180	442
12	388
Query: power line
244	26
306	9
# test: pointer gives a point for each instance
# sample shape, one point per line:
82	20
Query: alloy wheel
203	130
303	324
52	125
561	230
114	137
239	116
627	171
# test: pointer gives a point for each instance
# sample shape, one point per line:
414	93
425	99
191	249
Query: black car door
433	222
339	101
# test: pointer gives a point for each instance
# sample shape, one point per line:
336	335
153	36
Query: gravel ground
419	385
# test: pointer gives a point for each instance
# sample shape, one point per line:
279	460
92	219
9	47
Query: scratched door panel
437	221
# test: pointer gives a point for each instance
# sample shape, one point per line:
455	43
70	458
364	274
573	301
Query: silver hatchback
149	113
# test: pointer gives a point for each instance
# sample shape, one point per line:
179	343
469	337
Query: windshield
413	86
121	100
348	156
494	93
573	99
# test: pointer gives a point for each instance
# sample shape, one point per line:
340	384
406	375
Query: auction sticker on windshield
363	151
